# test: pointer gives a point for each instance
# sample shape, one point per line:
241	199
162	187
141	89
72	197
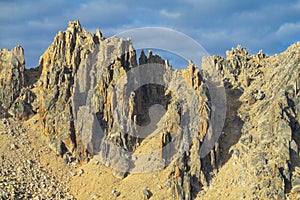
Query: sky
217	25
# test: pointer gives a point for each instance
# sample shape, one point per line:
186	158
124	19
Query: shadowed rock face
83	73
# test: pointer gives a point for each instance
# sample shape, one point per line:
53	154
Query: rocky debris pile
21	174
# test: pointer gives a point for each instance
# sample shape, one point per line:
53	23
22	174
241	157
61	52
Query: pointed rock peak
18	52
167	63
239	50
154	58
19	48
75	25
191	63
143	58
150	53
260	55
191	66
99	34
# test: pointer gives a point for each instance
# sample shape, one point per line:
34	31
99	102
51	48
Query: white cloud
169	14
288	29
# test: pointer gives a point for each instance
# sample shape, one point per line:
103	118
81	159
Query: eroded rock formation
12	66
80	92
262	124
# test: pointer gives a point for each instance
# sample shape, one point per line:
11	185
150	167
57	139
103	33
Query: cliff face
85	94
58	66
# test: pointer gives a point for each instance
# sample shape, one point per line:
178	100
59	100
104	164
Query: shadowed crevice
232	130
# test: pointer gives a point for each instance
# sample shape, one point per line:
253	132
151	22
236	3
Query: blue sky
216	25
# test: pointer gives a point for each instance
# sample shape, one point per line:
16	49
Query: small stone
259	95
246	140
80	172
73	173
119	174
67	157
95	196
116	193
235	153
147	194
13	147
86	160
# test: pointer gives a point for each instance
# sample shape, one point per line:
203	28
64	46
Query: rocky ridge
260	137
261	132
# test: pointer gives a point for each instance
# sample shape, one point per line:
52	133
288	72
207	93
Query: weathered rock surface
12	66
81	97
261	133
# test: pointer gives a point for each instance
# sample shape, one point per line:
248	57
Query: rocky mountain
262	123
93	100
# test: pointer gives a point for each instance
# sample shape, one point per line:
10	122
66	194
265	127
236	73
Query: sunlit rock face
79	92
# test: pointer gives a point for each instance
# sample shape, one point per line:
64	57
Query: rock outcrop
12	66
58	66
89	95
261	133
